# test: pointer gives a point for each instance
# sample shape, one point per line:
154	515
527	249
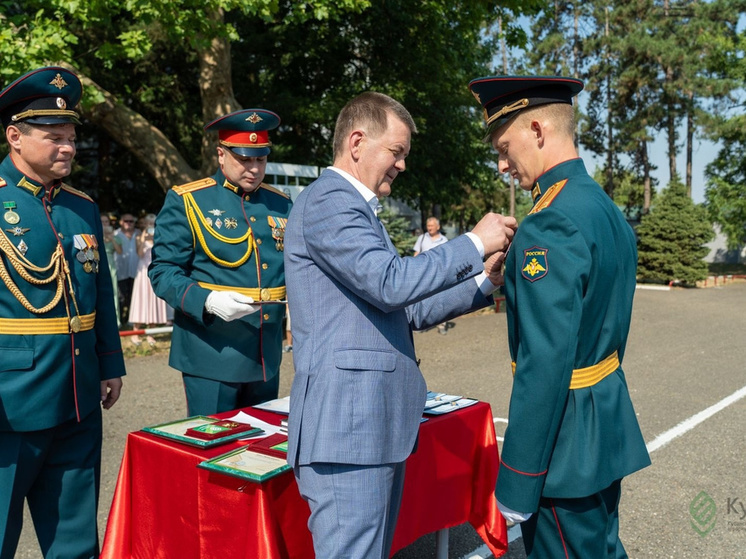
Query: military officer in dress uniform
61	355
569	282
218	261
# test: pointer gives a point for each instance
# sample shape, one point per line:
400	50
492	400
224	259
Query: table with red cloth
165	507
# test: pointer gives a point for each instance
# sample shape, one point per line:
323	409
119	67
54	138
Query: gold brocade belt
35	326
263	294
588	376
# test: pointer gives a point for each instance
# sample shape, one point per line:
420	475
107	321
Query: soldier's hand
493	267
110	391
229	305
496	232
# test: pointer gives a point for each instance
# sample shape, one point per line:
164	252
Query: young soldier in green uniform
61	356
569	281
218	261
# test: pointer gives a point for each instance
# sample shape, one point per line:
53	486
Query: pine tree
672	237
398	229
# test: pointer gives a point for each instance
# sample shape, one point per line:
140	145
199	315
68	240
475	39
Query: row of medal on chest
87	245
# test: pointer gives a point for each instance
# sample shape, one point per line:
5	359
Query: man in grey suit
358	394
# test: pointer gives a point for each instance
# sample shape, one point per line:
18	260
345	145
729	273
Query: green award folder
182	431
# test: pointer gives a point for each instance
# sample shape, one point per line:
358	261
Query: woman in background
146	310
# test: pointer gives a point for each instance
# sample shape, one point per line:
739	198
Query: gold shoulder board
192	186
273	189
2	182
549	196
71	190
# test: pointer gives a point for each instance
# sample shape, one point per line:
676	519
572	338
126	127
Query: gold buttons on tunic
265	266
258	241
266	316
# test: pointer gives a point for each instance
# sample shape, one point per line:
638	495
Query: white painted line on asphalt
689	424
514	532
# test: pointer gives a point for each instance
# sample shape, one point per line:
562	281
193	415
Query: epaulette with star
274	190
76	192
549	196
182	189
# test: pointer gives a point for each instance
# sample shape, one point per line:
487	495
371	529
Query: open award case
202	431
257	462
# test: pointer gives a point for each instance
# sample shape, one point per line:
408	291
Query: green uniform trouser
57	471
576	528
206	396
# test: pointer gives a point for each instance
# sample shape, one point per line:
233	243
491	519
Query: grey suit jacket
358	394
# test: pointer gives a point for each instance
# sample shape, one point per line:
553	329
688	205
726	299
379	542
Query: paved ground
686	353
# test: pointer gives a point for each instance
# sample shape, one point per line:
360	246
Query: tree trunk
609	188
216	87
504	50
689	142
146	142
647	183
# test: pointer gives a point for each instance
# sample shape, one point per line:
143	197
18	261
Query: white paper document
268	428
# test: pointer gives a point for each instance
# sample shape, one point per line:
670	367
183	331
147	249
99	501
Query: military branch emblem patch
535	265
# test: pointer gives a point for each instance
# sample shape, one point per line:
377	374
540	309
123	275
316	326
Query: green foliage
398	229
628	190
671	239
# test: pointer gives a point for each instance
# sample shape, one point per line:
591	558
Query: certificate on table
247	464
178	431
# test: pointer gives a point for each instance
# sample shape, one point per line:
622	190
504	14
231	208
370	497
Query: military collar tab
31	187
35	189
227	184
536	192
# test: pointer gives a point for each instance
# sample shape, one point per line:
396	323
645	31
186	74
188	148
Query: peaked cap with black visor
504	97
245	132
43	96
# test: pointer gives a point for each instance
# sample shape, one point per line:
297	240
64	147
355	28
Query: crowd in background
129	242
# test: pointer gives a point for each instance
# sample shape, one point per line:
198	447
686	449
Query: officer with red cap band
218	261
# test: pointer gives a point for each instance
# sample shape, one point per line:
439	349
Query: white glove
513	516
229	305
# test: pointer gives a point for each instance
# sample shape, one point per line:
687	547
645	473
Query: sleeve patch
535	265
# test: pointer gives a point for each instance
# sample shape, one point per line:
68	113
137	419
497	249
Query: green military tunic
49	374
59	340
210	235
569	283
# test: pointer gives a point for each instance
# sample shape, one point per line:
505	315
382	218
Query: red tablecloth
164	507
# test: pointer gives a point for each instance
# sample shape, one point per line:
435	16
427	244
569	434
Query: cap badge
254	118
58	82
61	103
253	137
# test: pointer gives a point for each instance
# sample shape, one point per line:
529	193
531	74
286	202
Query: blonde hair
562	115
